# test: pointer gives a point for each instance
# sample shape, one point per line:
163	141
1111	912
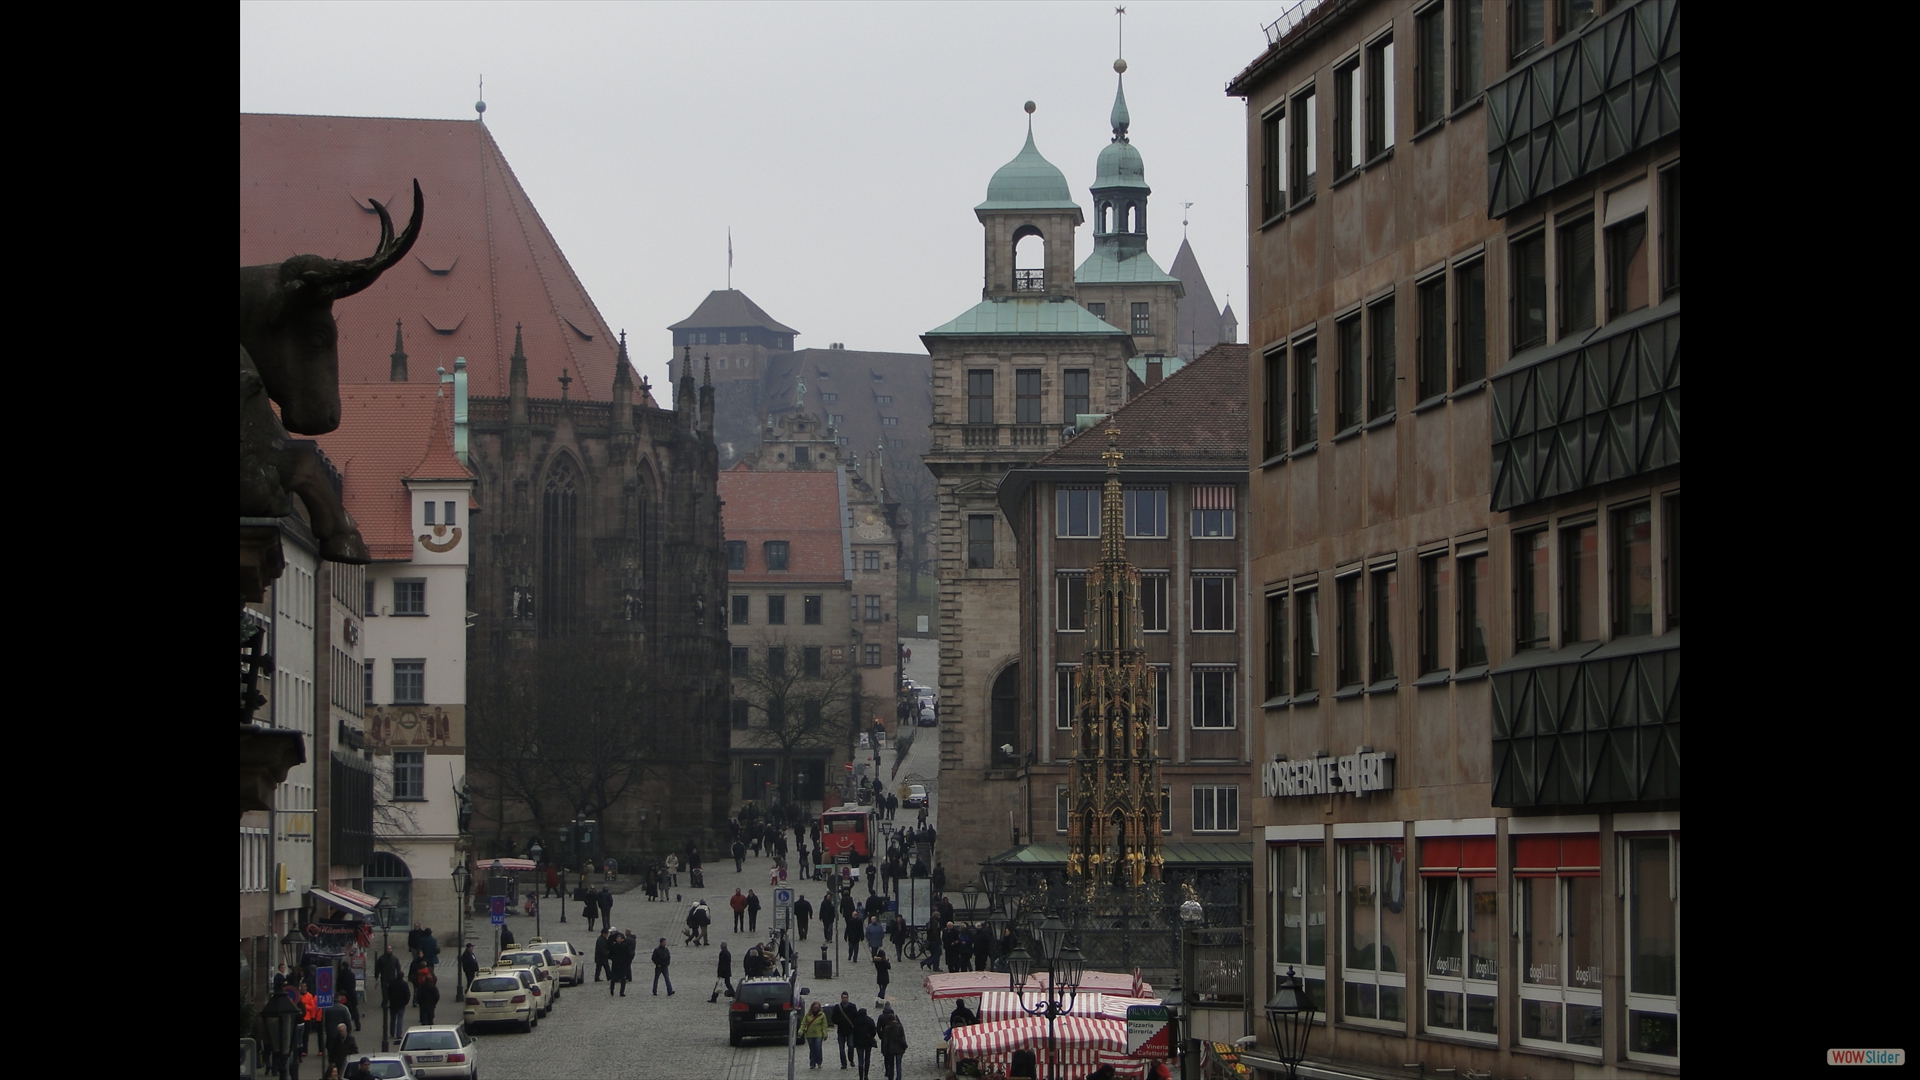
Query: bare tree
919	499
803	701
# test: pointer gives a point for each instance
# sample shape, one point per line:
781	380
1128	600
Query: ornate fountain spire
1113	797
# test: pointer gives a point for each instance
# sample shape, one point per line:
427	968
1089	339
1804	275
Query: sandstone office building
1465	339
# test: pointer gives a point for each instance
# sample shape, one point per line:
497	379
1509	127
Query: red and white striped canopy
1001	1005
955	984
1070	1032
509	865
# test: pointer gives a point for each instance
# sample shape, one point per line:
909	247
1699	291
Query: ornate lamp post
462	880
1192	916
1064	967
537	852
1290	1015
293	949
383	911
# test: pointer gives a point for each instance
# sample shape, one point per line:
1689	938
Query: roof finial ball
1030	107
1120	66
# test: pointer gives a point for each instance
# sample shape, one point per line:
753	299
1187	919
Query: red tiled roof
802	508
1196	416
389	432
484	260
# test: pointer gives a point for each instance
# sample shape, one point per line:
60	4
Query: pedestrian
606	904
673	867
802	914
591	908
339	1045
413	939
347	992
311	1018
703	922
359	1070
854	938
962	1016
469	966
506	937
897	933
620	948
739	855
397	997
553	883
813	1028
893	1044
939	877
865	1036
662	958
932	959
753	911
723	973
876	933
739	905
842	1018
602	956
426	994
650	880
882	971
982	946
430	949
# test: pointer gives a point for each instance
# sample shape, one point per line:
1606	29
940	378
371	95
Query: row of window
409	594
294	595
1599	258
293	701
1141	323
813	709
255	875
1209	708
446	514
811	659
738	337
341	691
1216	808
409	682
1554	950
1077	512
1211	601
1075	394
741	609
1557	571
870	560
774	554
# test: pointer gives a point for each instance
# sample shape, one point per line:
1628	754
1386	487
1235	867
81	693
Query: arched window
1029	260
1103	221
1005	726
389	878
556	602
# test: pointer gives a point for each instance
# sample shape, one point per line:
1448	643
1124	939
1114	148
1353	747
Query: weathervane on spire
480	106
1120	16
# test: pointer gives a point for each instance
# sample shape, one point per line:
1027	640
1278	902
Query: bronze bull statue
289	353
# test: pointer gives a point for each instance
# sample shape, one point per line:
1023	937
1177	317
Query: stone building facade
1465	325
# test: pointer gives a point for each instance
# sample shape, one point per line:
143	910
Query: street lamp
1192	915
293	948
462	879
1065	967
537	852
1290	1015
384	912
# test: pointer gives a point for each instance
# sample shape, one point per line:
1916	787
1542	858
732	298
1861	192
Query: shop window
1460	915
1300	914
1557	901
1374	932
1653	948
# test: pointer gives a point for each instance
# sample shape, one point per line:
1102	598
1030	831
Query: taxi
501	996
546	987
440	1050
568	964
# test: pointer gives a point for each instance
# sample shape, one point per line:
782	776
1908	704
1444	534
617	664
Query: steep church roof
484	260
728	308
1197	324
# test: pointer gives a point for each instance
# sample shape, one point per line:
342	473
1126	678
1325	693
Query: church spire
398	372
1119	118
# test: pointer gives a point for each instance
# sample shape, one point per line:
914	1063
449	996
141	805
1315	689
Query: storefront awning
338	898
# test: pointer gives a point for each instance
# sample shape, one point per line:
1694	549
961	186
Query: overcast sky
846	144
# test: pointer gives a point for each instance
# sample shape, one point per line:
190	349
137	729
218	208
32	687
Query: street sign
1147	1034
323	986
782	907
499	911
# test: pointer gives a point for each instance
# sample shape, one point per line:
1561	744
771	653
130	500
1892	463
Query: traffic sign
499	911
782	907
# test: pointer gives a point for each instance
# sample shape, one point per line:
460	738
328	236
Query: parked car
916	796
760	1010
546	986
441	1050
502	996
567	960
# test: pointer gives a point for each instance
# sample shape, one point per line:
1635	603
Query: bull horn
343	278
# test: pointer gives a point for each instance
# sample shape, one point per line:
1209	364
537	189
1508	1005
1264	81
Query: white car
502	996
441	1050
385	1066
546	986
567	964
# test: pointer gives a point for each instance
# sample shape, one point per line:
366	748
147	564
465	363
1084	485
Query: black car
760	1010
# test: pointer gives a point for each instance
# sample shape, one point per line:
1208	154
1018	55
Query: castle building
596	563
1048	348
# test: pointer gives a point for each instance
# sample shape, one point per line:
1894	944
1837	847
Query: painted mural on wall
408	727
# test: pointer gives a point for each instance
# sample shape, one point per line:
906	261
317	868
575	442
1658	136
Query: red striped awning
1083	1033
1213	497
509	865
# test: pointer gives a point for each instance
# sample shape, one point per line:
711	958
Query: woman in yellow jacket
813	1028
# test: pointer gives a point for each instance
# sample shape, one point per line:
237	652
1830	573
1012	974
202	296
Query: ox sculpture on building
289	354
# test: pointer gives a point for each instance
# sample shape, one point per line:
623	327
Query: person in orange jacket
313	1020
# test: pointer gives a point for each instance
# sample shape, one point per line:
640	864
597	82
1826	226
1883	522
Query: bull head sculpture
289	353
286	322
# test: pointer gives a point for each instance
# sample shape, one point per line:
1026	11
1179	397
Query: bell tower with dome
1029	197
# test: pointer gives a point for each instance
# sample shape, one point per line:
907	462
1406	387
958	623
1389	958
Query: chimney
1154	371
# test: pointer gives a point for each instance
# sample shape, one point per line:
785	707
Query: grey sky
846	144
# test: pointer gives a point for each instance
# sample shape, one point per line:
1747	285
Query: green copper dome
1120	165
1029	182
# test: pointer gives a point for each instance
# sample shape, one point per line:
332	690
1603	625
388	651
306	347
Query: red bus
848	829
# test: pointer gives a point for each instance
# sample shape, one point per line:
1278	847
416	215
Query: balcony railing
1032	435
1029	281
1589	101
981	435
1589	410
1588	725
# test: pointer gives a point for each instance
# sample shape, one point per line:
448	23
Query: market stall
1078	1041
